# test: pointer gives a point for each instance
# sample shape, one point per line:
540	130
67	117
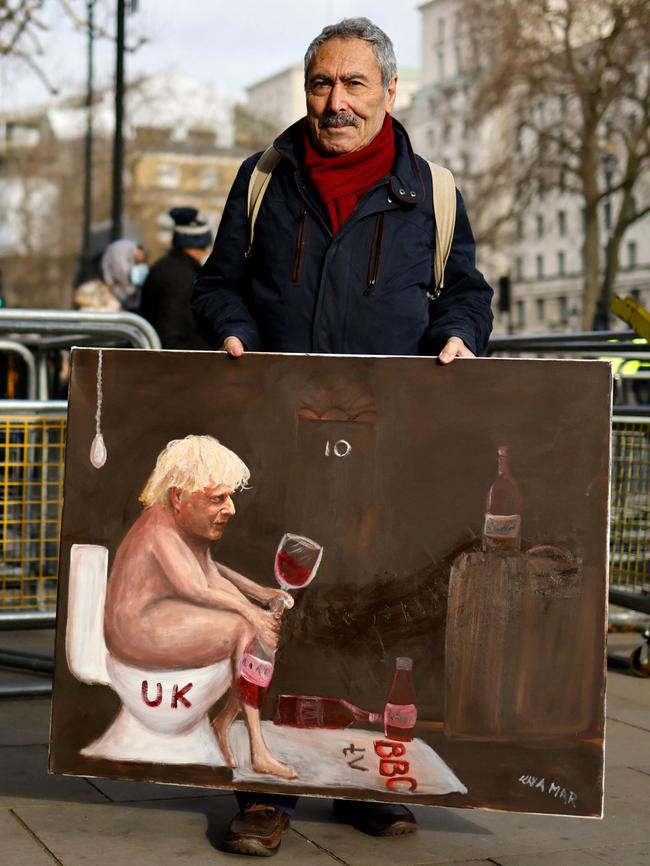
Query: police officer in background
167	291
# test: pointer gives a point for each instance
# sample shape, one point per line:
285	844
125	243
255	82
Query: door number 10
341	448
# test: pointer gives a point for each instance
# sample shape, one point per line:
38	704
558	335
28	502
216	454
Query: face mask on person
138	274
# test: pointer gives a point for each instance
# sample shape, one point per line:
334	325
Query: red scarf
341	180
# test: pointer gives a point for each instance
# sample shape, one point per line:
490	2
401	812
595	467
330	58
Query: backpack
444	209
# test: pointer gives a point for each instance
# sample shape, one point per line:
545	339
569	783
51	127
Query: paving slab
37	640
183	833
24	722
626	745
135	792
628	699
449	835
636	854
614	855
24	778
569	858
18	847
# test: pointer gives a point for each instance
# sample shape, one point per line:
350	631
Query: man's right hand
267	626
234	347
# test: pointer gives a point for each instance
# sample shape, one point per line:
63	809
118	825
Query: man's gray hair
358	28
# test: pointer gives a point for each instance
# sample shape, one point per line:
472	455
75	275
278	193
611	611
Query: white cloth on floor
346	758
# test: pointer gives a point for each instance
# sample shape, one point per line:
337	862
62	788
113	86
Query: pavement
47	820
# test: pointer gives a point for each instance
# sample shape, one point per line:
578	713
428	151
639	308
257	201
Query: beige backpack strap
257	187
444	211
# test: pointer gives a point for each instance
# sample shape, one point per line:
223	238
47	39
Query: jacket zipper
300	246
374	260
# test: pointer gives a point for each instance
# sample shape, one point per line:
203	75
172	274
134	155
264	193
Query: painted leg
221	725
262	761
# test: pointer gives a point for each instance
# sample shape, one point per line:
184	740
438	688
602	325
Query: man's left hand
454	348
268	594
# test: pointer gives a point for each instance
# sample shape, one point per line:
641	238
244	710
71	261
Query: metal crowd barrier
42	332
630	513
72	323
32	443
32	440
12	348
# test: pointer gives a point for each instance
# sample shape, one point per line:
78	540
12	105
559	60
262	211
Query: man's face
346	101
204	513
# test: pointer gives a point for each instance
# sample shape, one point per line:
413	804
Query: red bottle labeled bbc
401	713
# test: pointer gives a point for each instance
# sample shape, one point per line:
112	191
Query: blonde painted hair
193	463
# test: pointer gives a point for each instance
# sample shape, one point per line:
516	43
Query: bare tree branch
575	77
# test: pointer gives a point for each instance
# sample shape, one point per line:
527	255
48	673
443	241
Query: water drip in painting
98	451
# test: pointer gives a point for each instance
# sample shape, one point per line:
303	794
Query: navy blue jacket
361	291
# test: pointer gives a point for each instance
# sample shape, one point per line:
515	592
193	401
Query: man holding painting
342	261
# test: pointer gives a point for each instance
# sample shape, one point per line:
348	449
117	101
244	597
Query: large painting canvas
372	578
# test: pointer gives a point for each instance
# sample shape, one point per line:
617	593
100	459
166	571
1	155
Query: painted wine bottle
314	711
255	672
502	525
401	713
257	665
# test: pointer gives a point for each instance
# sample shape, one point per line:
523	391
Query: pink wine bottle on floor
314	711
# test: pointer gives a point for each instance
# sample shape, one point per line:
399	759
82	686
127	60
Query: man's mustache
338	118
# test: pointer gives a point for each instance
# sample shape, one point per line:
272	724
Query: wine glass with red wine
296	561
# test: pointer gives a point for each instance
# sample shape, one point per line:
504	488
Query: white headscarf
117	261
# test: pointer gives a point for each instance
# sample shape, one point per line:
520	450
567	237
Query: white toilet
163	718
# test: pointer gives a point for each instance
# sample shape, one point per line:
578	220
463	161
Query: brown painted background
391	517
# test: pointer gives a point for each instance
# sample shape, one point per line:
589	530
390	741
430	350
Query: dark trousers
284	802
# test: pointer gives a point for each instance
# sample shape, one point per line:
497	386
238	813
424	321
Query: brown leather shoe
257	830
376	819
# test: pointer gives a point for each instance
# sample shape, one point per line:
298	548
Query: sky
232	43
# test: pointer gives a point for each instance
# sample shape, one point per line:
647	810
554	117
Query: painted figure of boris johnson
371	578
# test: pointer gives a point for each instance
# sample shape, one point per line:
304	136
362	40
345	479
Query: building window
520	314
541	309
563	310
631	255
561	263
561	223
209	178
520	228
441	29
22	135
169	175
519	268
441	63
540	267
540	225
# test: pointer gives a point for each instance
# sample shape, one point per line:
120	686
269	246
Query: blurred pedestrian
124	270
167	292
